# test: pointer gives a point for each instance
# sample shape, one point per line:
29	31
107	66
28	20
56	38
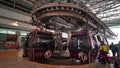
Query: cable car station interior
59	33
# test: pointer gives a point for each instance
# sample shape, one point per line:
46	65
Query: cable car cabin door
79	46
30	46
27	44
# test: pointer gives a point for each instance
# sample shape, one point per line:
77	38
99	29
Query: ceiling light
15	23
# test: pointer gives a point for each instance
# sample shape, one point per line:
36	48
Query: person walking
104	49
117	59
113	49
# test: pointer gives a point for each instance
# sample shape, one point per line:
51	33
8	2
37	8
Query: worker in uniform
104	49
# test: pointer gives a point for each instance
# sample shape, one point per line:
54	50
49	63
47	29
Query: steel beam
107	9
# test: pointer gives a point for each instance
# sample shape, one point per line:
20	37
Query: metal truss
100	7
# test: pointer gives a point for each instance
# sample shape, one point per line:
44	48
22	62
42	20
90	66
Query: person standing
113	49
118	49
117	59
104	49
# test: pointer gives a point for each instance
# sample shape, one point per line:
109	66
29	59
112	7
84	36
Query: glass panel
3	37
79	42
11	31
3	30
44	41
23	32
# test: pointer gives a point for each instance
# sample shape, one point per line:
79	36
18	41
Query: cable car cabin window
64	42
80	42
99	39
44	41
95	47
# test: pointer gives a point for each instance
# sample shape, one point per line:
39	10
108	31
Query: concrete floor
12	58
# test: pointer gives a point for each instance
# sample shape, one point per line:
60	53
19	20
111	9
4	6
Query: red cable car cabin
39	45
79	46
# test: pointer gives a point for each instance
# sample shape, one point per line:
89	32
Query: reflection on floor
13	59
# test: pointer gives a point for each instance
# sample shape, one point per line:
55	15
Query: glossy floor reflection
12	58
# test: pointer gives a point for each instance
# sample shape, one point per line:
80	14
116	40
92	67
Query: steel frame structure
99	7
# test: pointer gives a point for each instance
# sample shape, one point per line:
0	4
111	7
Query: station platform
12	58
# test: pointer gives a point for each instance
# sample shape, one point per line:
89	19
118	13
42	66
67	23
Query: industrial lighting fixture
15	23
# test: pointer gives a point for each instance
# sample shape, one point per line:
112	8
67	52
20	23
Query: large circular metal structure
69	15
66	16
